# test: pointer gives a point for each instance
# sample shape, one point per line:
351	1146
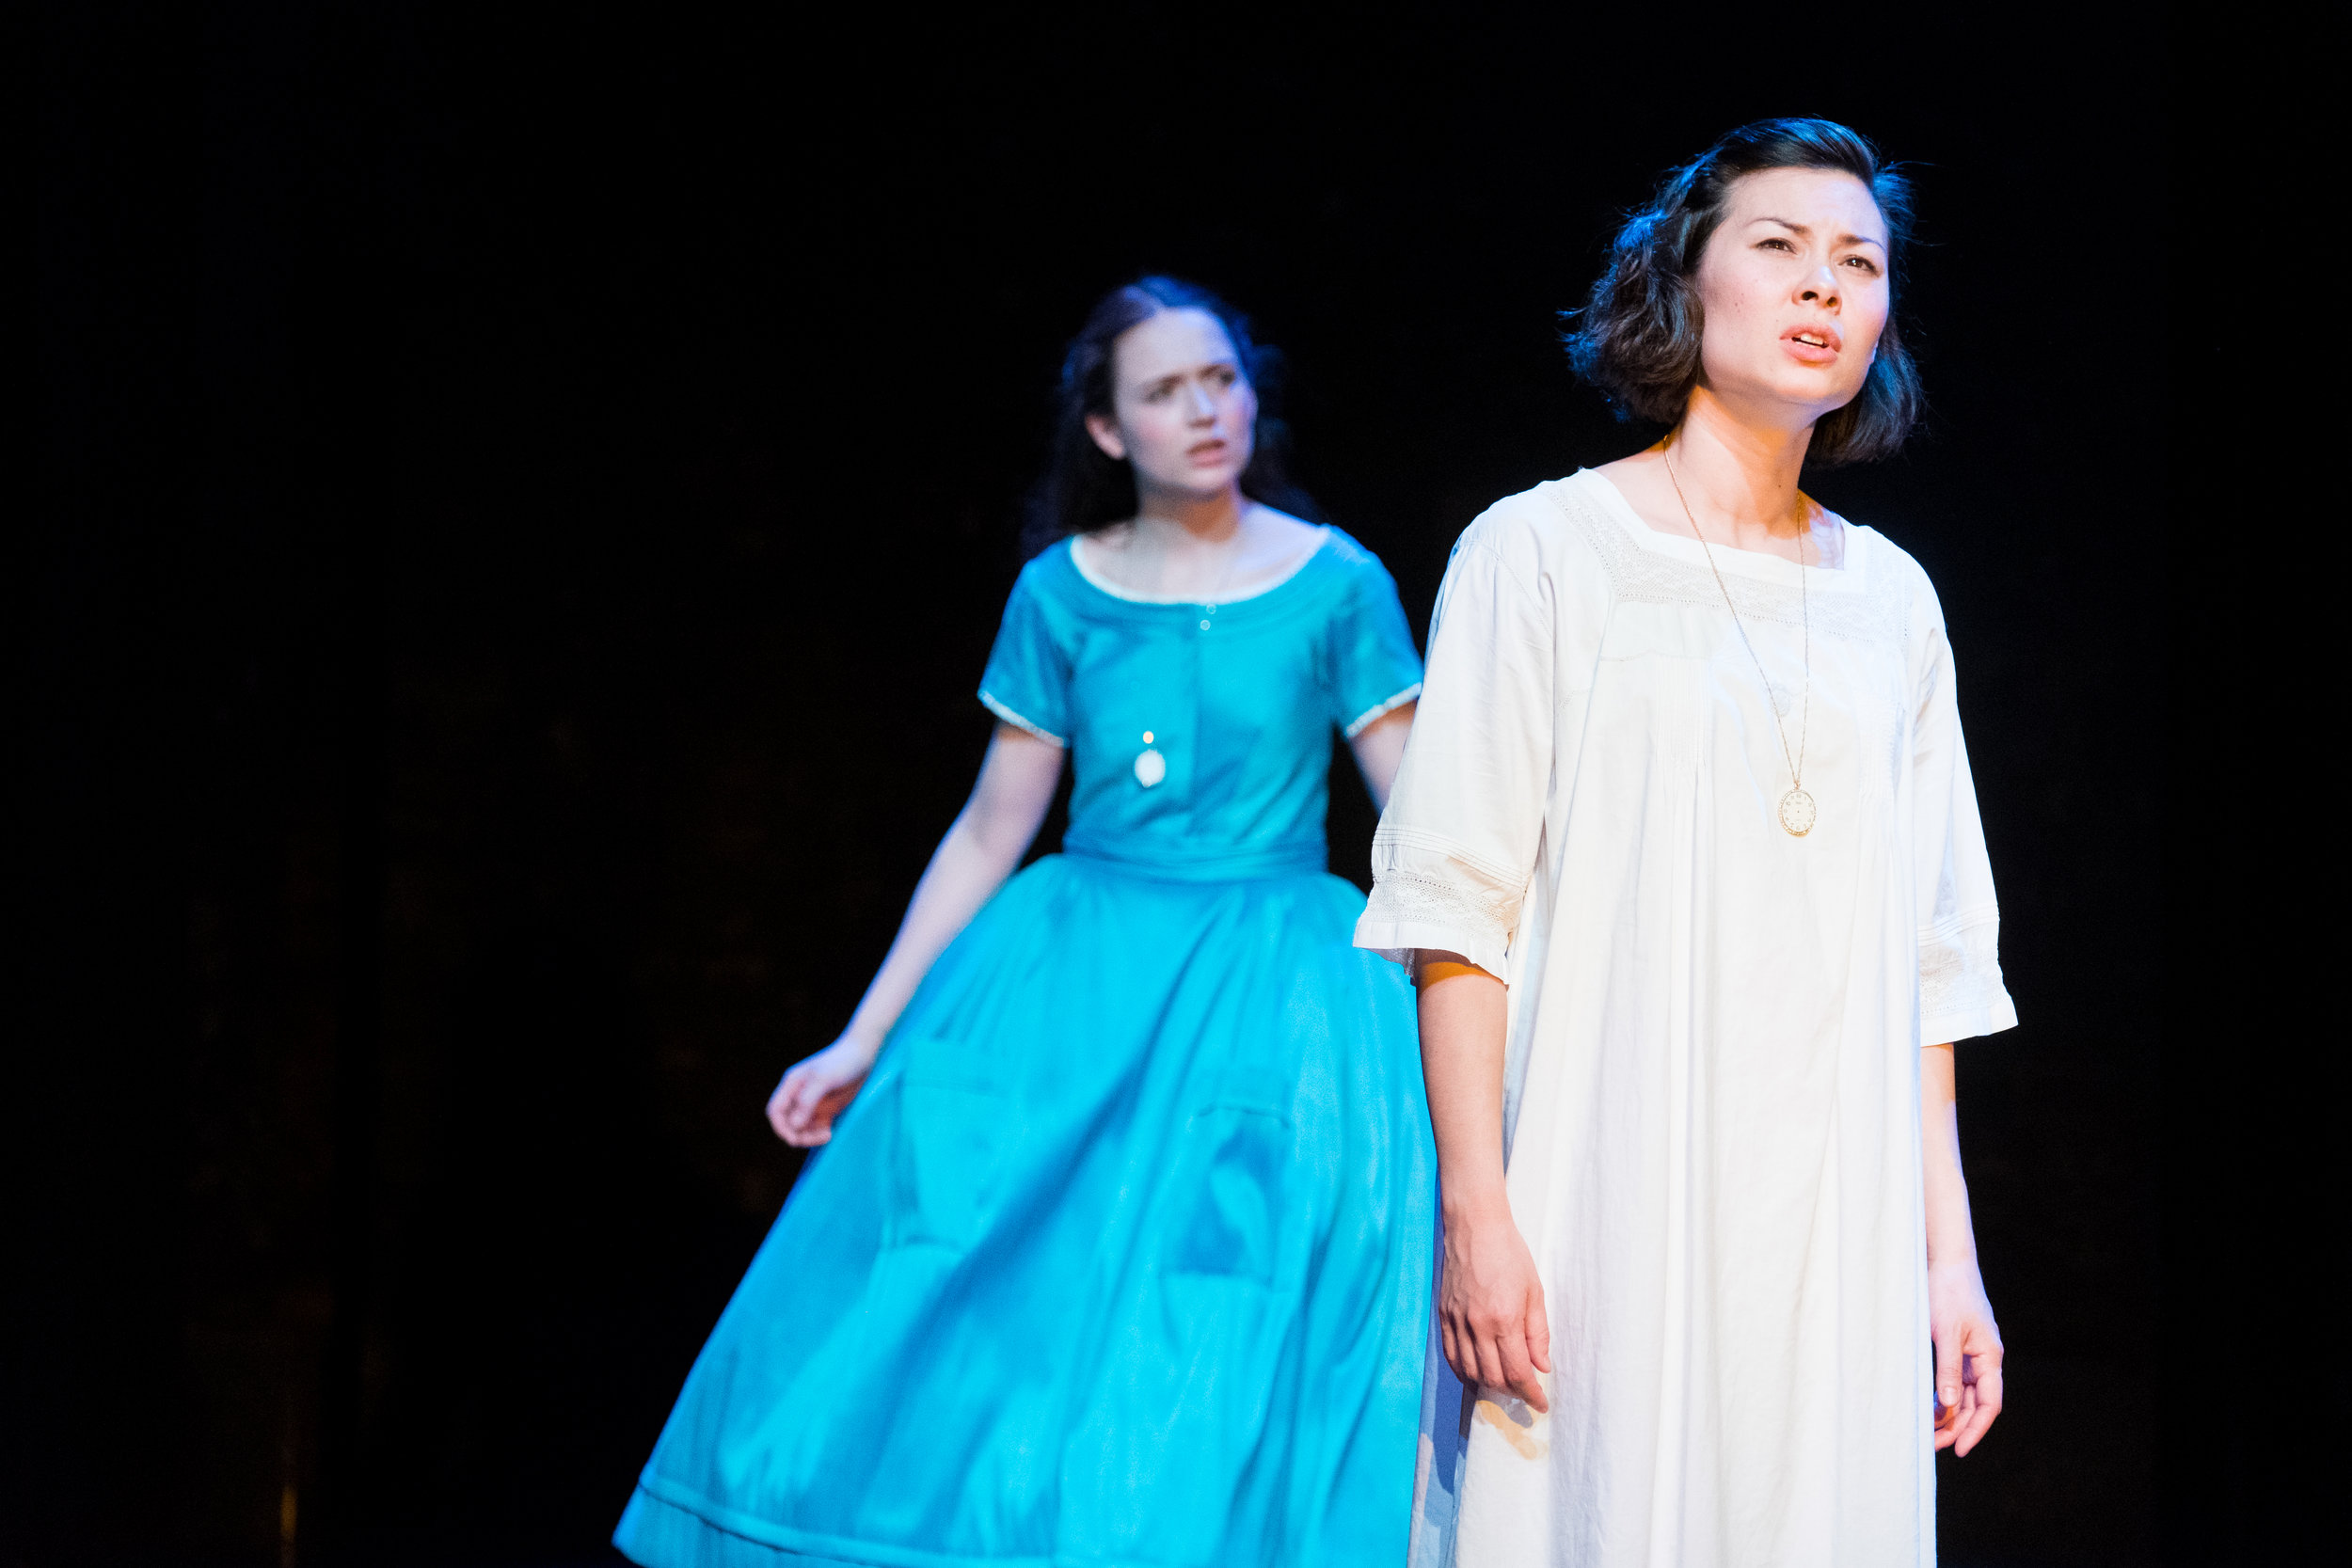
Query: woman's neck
1179	521
1739	473
1189	548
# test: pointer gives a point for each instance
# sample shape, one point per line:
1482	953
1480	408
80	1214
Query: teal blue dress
1123	1254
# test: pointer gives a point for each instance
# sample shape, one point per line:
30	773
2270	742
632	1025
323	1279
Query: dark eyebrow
1801	228
1174	376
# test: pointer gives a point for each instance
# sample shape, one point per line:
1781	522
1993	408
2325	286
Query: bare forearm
1968	1349
1380	748
964	874
1951	1232
1462	1025
1491	1321
982	849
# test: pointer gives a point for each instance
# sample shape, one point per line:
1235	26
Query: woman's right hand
816	1091
1490	1308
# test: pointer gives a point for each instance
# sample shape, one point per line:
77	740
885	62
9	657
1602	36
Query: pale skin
1182	416
1793	285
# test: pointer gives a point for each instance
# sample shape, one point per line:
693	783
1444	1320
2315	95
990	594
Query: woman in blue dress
1119	1250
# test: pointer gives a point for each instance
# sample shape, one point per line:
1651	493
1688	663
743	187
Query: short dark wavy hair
1083	488
1637	337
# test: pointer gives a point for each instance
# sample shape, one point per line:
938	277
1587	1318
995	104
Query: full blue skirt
1120	1257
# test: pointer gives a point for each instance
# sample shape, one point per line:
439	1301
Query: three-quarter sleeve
1960	993
1373	667
1458	844
1027	680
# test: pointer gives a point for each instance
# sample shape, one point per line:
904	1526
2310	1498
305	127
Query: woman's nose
1820	289
1203	406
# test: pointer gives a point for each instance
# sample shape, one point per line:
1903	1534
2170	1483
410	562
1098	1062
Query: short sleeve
1027	680
1375	668
1456	847
1961	990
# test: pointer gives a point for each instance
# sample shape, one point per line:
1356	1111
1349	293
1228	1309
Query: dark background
523	496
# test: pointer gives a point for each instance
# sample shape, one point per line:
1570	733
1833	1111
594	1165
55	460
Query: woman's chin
1200	484
1792	397
1820	388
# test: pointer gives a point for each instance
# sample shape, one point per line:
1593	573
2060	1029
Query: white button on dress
1151	767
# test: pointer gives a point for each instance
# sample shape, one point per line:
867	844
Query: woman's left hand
1967	1355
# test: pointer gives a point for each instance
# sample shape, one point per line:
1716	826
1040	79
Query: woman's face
1794	286
1182	410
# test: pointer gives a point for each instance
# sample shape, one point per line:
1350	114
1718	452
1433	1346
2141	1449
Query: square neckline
1078	561
1759	565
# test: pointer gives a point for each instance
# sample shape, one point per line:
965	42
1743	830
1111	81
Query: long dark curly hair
1083	488
1637	337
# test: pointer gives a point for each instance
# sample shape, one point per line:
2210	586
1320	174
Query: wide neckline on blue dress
1173	608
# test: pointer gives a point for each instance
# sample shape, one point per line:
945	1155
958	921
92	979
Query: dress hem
665	1513
1365	719
1944	1028
1398	941
1009	716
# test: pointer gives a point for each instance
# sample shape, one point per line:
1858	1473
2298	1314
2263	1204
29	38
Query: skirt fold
1122	1256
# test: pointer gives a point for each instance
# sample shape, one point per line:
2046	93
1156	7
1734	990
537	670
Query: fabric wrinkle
1135	1205
1711	1079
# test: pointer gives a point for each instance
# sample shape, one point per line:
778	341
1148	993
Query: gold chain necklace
1796	807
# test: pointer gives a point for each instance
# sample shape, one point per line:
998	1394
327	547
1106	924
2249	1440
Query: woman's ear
1105	434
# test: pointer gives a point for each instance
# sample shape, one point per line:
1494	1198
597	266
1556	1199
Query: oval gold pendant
1151	767
1796	813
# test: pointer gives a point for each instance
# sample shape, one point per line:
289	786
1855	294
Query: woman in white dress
1686	859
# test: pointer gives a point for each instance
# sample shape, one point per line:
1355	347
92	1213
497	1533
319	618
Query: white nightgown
1712	1111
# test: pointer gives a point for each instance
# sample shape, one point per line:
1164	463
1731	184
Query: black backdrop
526	493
